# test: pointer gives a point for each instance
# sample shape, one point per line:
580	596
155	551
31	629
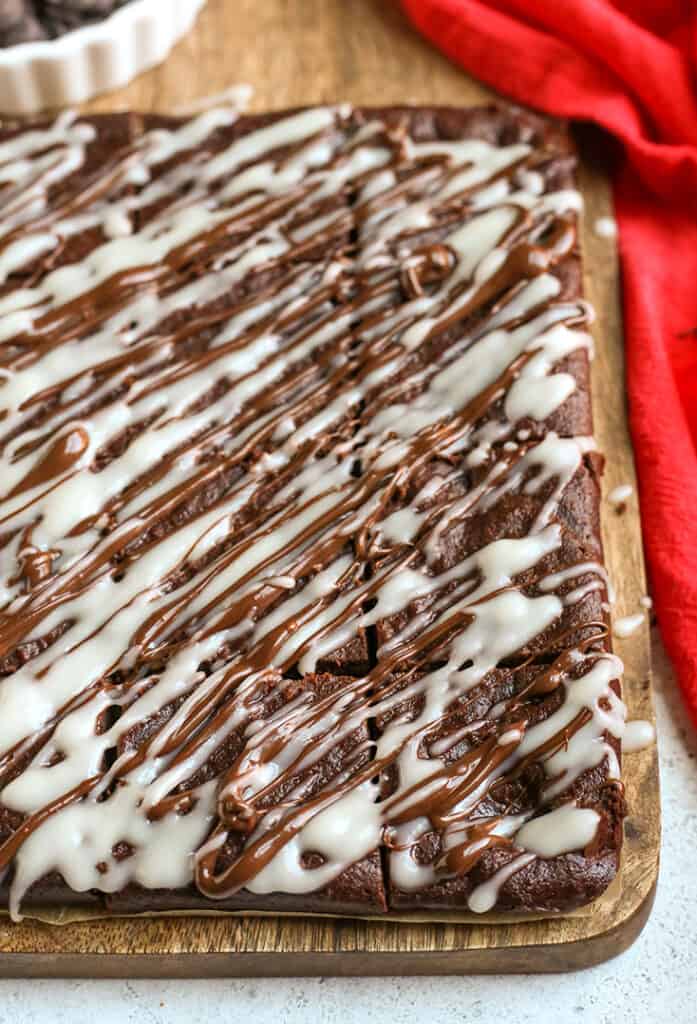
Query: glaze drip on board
248	440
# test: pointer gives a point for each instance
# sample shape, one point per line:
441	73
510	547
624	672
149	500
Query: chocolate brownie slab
303	600
26	21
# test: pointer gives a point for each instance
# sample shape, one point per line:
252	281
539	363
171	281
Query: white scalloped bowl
107	55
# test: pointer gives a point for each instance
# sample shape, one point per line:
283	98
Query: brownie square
440	863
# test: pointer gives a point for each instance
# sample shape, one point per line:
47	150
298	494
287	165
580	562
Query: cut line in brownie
303	598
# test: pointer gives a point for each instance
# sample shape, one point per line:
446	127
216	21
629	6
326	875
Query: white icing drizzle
619	495
638	735
237	96
628	624
605	227
562	830
266	567
484	897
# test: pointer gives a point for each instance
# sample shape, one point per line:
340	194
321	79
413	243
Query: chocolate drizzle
309	390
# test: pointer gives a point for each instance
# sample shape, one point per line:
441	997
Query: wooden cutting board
296	52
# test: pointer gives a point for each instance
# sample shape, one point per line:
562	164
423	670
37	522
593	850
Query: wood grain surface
309	51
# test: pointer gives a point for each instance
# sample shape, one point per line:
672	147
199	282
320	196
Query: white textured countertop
655	979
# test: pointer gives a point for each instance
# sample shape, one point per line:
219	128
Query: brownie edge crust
303	597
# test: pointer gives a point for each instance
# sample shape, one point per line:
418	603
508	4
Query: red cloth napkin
631	67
